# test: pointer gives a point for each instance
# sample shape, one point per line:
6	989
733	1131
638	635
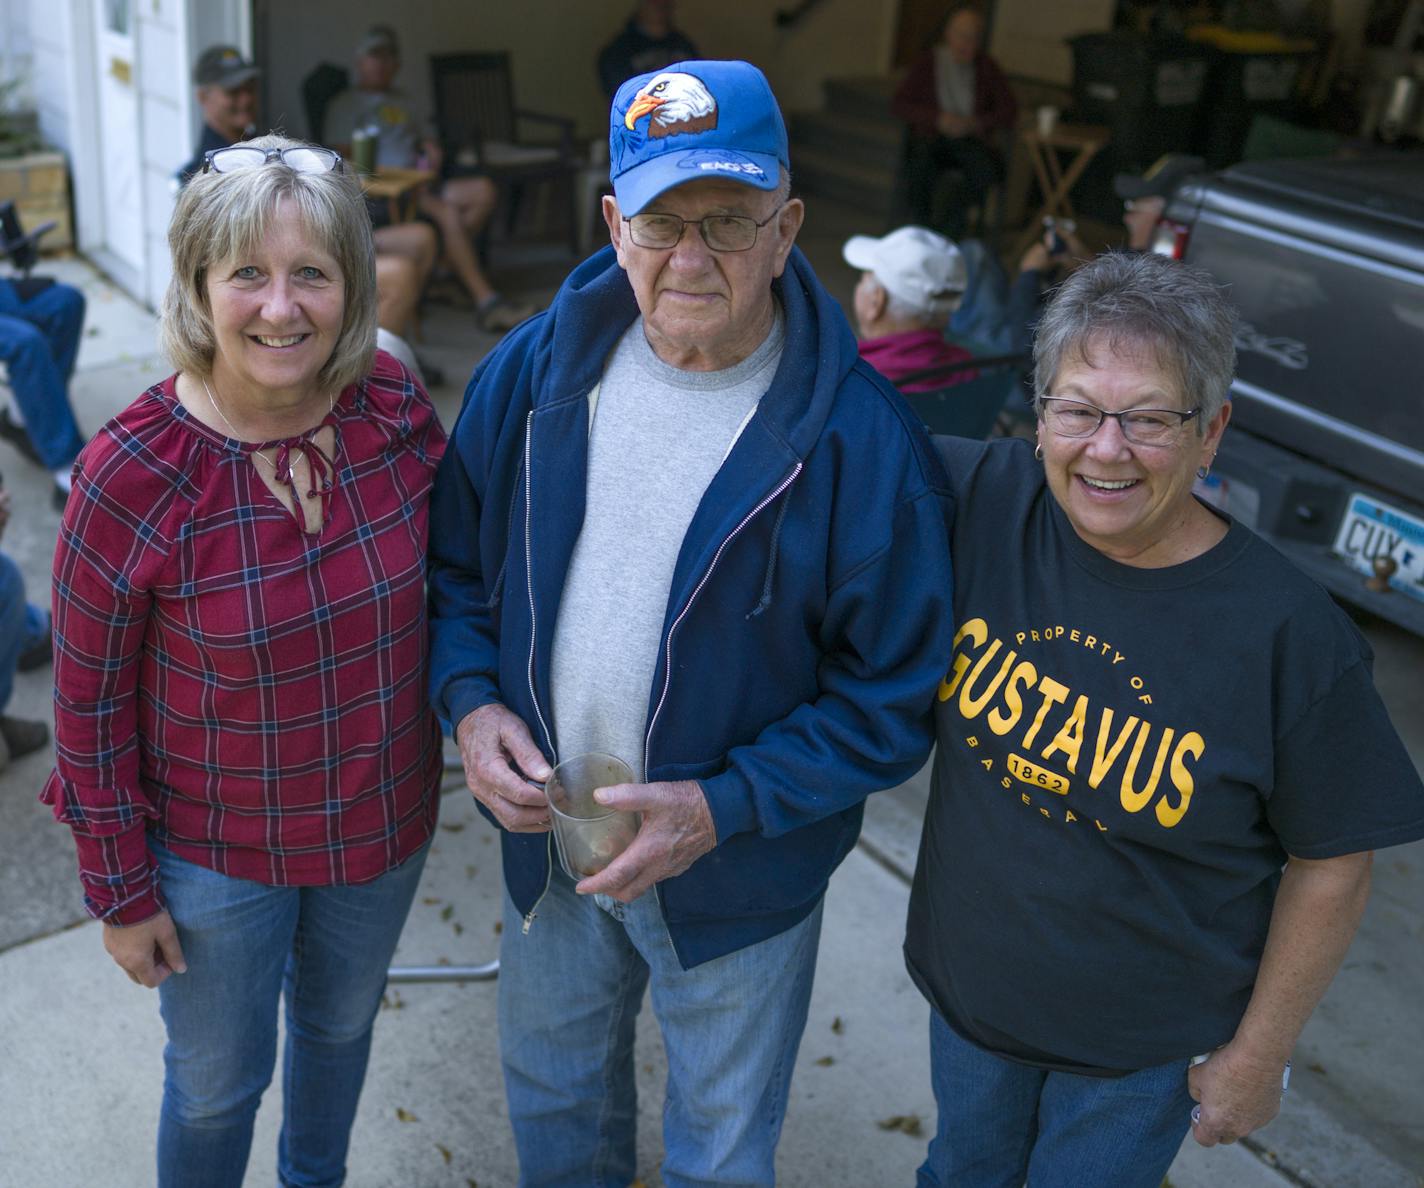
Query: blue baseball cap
693	120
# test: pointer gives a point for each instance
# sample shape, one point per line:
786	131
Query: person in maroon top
911	281
245	751
956	103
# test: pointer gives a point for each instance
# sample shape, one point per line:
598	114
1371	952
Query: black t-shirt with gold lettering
1125	759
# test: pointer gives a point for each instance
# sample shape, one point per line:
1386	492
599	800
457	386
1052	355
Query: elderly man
911	281
680	521
226	85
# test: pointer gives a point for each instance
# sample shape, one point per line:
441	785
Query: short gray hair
222	215
1126	301
934	310
783	186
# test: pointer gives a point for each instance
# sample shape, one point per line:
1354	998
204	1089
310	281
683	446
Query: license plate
1371	529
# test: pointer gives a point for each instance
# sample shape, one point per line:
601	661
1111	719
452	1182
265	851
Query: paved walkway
80	1061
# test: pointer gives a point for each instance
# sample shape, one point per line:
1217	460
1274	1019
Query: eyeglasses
1141	426
303	158
722	233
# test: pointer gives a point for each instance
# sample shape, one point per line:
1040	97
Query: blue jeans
39	341
569	993
21	626
246	944
1002	1123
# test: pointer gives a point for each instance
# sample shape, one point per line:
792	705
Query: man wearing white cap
911	281
679	521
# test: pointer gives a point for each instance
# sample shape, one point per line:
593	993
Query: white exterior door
121	175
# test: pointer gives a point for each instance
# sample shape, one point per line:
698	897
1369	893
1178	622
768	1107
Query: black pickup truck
1325	452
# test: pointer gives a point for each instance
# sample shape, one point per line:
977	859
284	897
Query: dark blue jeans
1002	1123
39	340
21	626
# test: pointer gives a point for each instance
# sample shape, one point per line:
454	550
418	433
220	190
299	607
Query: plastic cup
363	151
587	835
1047	120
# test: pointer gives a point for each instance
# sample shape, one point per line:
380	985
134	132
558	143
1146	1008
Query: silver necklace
217	408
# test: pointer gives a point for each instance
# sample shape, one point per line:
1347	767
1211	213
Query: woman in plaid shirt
245	751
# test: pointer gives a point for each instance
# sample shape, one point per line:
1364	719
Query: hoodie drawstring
765	600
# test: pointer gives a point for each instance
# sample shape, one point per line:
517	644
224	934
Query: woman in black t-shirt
1161	769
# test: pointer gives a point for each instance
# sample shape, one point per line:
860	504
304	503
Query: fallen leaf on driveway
904	1123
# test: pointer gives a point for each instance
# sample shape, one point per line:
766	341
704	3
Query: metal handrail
430	974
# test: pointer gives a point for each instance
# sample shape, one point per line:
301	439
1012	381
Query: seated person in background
24	644
40	323
911	281
1001	315
648	42
955	99
458	207
227	97
1145	197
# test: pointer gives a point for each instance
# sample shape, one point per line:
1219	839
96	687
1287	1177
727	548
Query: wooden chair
480	131
319	88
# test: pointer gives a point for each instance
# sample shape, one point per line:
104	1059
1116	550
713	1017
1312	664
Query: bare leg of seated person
493	312
474	198
398	285
416	242
405	254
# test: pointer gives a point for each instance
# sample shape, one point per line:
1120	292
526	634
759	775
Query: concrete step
869	140
830	175
868	95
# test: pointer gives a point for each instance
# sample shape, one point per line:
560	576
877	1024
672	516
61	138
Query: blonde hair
223	215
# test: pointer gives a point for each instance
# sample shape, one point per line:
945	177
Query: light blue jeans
246	945
1002	1124
569	993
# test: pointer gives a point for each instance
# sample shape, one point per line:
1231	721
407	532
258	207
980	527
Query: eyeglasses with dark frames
1141	426
302	158
720	232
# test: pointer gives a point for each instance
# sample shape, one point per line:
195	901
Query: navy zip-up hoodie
807	626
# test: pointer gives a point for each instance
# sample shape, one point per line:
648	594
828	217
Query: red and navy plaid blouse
254	695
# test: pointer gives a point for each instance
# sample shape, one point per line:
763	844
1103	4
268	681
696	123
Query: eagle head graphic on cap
678	103
695	119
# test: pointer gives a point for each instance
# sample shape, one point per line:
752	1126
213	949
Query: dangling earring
1038	451
1203	471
